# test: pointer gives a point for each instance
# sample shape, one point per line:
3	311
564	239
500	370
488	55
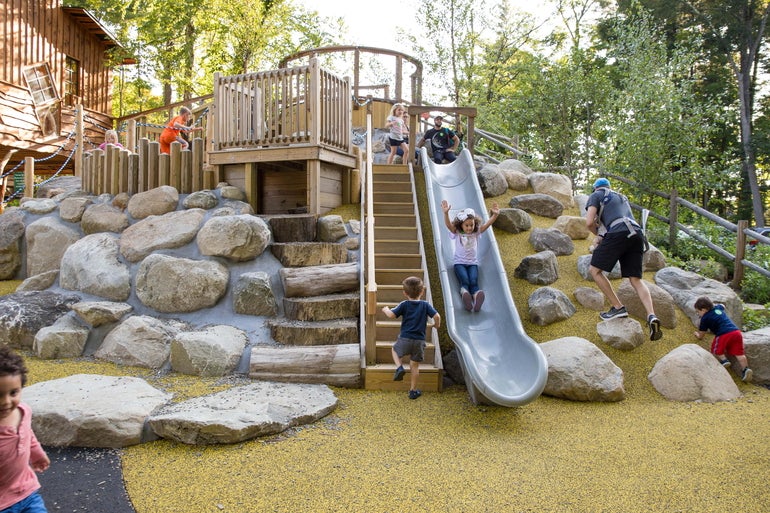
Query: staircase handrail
371	282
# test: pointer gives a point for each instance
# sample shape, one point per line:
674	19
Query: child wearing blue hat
623	242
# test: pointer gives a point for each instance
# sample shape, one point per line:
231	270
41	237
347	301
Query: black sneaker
414	394
725	364
746	375
613	312
654	324
399	375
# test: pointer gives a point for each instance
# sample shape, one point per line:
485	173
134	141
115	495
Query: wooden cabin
54	58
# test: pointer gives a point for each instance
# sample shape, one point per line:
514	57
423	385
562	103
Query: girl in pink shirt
465	230
20	452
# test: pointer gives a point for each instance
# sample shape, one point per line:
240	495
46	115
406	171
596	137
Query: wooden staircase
398	254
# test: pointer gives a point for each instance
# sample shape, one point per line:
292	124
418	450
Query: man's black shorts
619	247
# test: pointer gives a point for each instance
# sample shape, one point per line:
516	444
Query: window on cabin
44	97
71	81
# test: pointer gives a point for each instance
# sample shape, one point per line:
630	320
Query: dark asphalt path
84	480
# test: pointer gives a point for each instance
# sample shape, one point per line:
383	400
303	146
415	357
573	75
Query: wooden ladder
398	254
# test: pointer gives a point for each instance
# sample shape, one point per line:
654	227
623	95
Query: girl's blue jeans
32	504
468	276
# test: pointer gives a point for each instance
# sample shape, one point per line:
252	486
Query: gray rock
97	313
623	333
590	298
543	239
72	209
213	351
237	238
757	347
539	269
47	241
103	217
92	411
253	295
23	314
155	202
662	303
11	234
331	228
92	265
492	181
690	373
201	199
653	260
548	305
572	226
65	339
141	341
584	262
169	231
538	204
243	413
513	220
38	206
580	371
170	284
515	165
231	193
40	281
555	185
516	180
685	287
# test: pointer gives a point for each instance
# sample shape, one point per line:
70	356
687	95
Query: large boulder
237	238
690	373
141	341
47	240
11	234
553	184
169	231
538	204
685	287
23	314
155	202
92	265
213	351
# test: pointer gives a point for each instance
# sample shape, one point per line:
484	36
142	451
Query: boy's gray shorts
413	347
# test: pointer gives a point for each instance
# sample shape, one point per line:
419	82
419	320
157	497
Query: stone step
314	333
304	254
322	308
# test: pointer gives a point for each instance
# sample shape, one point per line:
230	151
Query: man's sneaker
414	394
478	301
467	299
654	324
746	375
725	363
613	313
399	375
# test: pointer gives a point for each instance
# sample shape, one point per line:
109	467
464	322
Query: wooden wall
37	31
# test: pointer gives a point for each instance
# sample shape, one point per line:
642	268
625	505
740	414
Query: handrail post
131	135
371	282
79	133
673	220
29	177
740	254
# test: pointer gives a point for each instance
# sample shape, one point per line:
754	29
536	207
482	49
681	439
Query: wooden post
314	126
399	72
123	171
133	173
98	158
131	135
197	165
175	167
112	169
314	186
672	220
79	141
740	254
153	158
251	184
469	133
144	152
29	177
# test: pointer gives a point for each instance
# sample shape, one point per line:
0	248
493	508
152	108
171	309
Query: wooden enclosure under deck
284	137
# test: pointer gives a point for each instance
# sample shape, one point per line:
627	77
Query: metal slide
501	364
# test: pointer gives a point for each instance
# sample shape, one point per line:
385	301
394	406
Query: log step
322	308
304	254
338	365
319	280
314	333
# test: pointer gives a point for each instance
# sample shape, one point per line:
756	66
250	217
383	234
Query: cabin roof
92	25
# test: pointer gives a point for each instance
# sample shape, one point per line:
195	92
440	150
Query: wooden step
387	169
314	333
398	261
393	197
380	377
389	329
322	308
396	276
389	294
403	247
395	220
393	208
394	233
393	187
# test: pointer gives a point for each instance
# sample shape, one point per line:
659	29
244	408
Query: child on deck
110	137
398	131
465	230
173	129
20	452
728	338
411	340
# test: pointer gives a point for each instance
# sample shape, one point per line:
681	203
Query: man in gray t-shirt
623	242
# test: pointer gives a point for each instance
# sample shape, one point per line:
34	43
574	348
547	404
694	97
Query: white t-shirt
466	245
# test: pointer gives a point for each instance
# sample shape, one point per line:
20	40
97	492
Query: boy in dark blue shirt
414	315
728	338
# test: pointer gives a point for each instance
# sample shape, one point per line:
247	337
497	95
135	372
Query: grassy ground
381	452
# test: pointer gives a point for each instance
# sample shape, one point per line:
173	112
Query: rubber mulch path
84	479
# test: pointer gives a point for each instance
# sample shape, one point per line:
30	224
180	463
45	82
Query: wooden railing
303	105
370	331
